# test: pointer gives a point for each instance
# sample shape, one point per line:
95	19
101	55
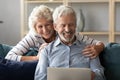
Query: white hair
61	11
38	12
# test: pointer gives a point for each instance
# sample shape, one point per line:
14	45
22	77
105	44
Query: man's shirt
57	54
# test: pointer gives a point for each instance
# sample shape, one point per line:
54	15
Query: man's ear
55	27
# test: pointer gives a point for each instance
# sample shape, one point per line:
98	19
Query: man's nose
67	28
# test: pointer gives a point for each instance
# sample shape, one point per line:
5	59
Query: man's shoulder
53	43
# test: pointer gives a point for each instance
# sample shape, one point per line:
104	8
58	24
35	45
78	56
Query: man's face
66	26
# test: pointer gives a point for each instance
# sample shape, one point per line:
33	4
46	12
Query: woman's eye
48	25
39	26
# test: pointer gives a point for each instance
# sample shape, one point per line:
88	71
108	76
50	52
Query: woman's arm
16	53
94	47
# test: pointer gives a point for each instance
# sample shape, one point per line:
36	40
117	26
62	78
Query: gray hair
38	12
61	11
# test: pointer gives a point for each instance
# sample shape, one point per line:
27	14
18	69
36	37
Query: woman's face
44	28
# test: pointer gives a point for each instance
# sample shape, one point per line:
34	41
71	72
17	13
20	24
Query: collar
58	41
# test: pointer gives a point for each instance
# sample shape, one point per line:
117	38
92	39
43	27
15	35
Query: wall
10	27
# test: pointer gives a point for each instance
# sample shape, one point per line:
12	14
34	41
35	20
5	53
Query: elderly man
66	50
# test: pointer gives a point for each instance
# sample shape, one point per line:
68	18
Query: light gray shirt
57	54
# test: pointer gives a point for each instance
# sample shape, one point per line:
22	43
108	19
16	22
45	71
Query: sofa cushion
110	59
4	49
13	70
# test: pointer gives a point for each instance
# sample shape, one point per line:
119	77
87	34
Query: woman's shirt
29	41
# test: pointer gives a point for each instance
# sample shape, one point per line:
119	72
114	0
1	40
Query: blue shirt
57	54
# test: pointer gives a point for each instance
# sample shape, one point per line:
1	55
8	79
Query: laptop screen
68	74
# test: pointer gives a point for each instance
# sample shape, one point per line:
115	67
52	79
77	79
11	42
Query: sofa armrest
110	59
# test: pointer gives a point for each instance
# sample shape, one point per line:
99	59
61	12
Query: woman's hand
90	51
93	51
42	47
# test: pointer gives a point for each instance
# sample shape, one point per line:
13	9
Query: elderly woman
41	31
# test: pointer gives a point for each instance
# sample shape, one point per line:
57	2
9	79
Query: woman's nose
45	29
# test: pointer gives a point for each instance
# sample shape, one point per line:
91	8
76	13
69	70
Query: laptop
68	73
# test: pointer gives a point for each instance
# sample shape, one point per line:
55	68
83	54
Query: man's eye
63	25
71	24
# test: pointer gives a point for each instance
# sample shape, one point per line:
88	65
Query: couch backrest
110	59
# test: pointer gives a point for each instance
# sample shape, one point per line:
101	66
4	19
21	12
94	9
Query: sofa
109	57
13	70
